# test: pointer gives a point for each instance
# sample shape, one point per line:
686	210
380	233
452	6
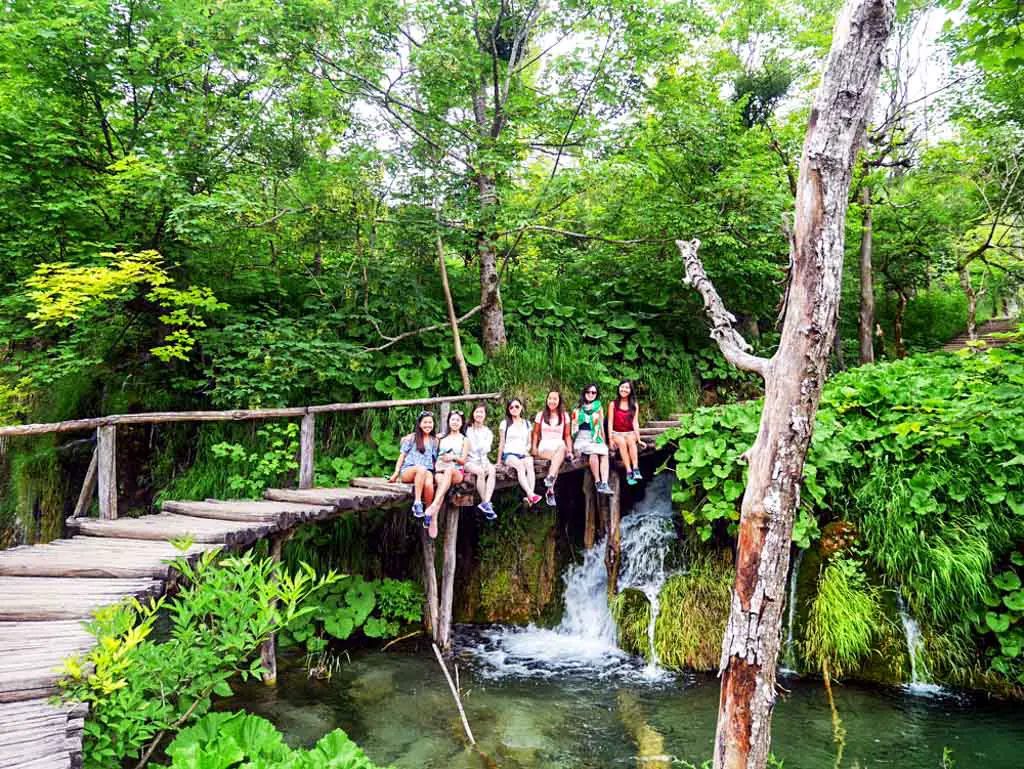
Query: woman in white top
514	448
452	451
551	440
480	439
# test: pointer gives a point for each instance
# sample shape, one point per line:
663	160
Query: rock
371	687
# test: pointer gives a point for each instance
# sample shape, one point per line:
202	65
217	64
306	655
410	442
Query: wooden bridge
48	590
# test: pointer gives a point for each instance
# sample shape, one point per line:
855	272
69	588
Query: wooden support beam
612	552
268	651
106	449
429	583
451	535
307	446
442	424
88	487
590	507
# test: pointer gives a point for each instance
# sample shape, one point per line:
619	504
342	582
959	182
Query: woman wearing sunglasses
514	448
415	464
588	436
451	458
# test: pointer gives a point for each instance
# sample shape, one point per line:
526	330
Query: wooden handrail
227	416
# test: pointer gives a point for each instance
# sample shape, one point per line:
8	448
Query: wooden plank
168	526
94	557
88	487
382	484
48	598
343	499
307	448
106	469
248	510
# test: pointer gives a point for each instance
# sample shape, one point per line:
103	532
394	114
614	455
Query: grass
632	614
941	562
694	612
844	620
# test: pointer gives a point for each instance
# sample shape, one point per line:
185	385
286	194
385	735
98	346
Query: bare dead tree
793	379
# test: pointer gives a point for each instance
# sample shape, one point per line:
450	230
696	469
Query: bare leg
634	451
519	465
627	459
428	487
444	480
595	464
492	478
531	477
557	457
604	469
417	477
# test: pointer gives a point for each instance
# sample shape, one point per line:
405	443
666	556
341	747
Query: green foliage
377	608
225	740
694	611
256	471
845	618
1003	616
138	688
921	454
632	614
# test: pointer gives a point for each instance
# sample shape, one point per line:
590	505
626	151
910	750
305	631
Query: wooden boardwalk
46	591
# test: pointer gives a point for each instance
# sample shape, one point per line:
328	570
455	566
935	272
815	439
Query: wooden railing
102	472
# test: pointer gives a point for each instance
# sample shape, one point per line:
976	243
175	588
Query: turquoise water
398	707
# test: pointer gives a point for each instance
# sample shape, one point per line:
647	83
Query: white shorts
549	445
583	445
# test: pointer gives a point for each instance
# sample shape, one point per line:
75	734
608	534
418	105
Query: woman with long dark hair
588	436
452	449
624	430
551	440
514	448
479	437
415	463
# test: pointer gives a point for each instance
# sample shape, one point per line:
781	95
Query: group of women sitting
433	463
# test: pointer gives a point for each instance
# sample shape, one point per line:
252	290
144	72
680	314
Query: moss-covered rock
519	568
632	614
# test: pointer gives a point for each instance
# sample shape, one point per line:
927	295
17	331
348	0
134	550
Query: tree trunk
837	351
897	324
867	286
972	302
491	313
460	360
793	380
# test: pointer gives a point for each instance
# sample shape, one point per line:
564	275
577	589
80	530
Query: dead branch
396	339
732	344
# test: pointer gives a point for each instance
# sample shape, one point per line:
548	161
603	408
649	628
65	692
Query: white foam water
583	643
920	682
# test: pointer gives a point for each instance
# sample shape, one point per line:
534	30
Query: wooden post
307	443
106	469
590	506
442	425
451	534
429	584
88	487
612	549
268	651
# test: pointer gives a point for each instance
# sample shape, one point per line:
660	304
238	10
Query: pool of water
398	707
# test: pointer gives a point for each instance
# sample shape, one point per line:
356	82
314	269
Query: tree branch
396	339
732	344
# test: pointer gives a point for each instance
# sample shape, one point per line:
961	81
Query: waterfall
647	535
584	640
789	659
919	676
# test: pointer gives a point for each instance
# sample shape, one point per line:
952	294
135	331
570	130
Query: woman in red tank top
624	429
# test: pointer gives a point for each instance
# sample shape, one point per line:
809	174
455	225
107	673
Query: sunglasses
591	392
455	411
516	406
425	414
